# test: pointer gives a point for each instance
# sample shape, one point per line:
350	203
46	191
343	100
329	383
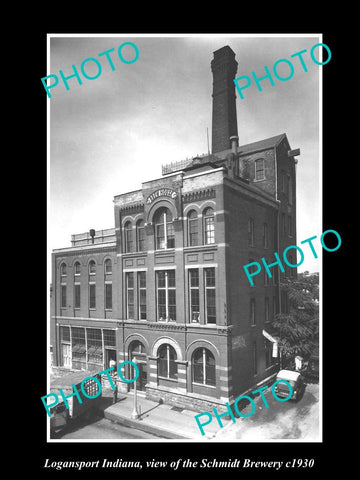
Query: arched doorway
137	351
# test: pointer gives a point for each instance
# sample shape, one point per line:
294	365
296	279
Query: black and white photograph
185	245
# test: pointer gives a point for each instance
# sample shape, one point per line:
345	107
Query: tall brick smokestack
224	121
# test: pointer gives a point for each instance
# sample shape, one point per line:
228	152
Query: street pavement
281	421
101	428
288	420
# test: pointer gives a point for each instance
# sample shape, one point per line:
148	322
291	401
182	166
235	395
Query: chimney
224	121
92	234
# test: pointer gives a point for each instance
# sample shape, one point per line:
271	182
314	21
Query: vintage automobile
61	416
296	381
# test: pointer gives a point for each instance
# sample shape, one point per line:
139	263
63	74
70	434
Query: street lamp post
135	413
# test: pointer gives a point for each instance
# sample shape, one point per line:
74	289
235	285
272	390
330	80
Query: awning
273	341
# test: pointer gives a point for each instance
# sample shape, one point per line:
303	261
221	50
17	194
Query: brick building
166	285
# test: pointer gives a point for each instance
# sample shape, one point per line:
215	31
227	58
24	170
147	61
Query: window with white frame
63	295
167	366
193	228
142	295
92	267
108	266
108	295
209	226
92	295
77	295
129	240
210	294
166	295
63	269
164	229
140	236
203	367
77	268
194	295
130	297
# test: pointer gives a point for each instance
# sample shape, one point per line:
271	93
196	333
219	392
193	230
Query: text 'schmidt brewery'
166	286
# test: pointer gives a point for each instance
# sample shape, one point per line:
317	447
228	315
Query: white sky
110	134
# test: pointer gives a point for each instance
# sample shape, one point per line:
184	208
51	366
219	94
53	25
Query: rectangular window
166	295
92	295
129	243
260	169
78	350
142	295
170	234
268	353
251	270
274	311
141	238
209	230
290	229
266	278
290	193
109	338
267	309
251	238
252	312
254	355
265	236
63	296
108	296
283	223
194	295
160	236
210	295
77	298
130	305
65	334
94	348
193	232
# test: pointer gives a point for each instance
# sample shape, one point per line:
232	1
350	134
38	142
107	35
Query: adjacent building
166	285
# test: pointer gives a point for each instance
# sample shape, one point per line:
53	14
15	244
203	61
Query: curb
139	425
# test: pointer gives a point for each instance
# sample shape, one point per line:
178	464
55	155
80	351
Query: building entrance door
142	379
109	355
66	355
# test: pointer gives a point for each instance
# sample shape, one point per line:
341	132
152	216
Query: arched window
136	348
128	234
164	229
92	285
193	228
260	169
63	269
77	286
167	366
203	363
209	226
140	236
108	266
92	267
77	268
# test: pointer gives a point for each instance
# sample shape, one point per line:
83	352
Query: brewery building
166	286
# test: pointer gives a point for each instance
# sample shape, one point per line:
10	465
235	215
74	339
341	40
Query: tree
298	330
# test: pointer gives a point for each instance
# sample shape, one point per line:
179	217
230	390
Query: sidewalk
163	420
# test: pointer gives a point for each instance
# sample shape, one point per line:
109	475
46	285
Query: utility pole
135	413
